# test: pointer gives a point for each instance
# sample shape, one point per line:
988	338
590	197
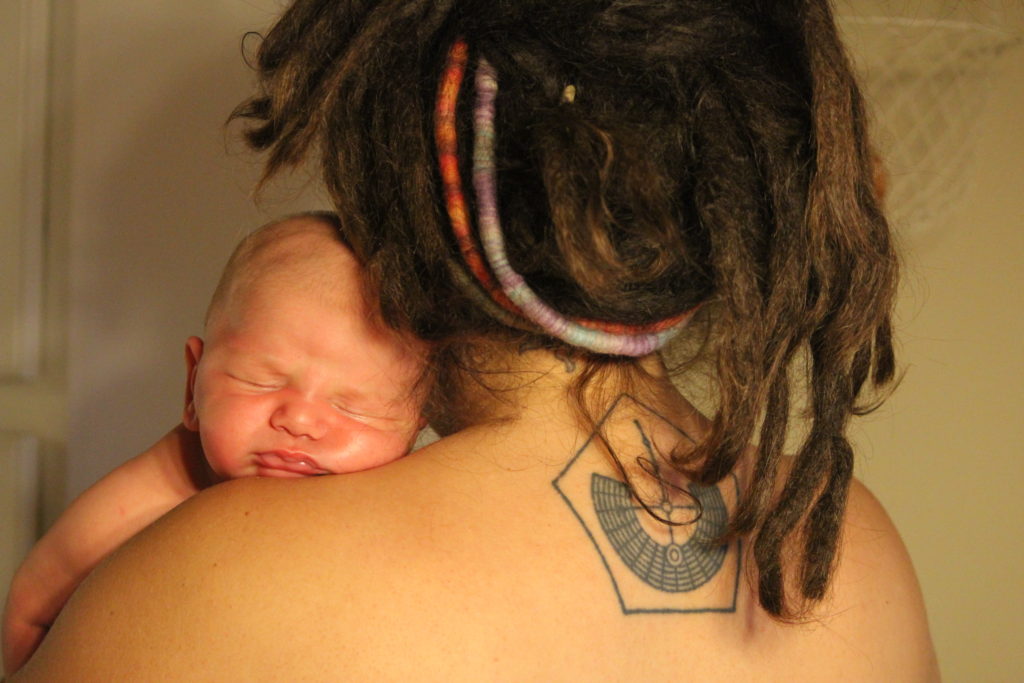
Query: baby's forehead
303	253
310	248
294	266
276	316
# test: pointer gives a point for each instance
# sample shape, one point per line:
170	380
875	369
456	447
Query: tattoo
680	564
560	353
659	554
567	360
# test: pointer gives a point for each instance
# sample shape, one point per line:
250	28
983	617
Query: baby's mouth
287	464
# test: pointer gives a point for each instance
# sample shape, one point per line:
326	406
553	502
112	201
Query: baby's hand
110	512
183	448
29	612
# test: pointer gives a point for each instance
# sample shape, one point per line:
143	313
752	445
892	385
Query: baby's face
288	386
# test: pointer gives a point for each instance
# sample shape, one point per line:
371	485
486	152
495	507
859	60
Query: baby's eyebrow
254	363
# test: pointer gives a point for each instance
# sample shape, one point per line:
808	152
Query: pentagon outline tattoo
675	567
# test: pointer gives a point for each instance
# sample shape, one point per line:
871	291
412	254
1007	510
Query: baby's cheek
224	442
215	449
366	448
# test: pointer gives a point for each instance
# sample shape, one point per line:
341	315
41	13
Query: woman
549	193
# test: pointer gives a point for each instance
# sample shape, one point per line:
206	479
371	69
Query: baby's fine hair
708	152
260	251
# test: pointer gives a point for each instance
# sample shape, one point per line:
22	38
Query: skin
292	385
464	564
286	385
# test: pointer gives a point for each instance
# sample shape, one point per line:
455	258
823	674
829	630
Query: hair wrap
446	137
511	290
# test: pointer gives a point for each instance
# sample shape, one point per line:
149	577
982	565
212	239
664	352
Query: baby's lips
293	462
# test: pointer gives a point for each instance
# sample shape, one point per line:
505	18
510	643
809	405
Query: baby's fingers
20	640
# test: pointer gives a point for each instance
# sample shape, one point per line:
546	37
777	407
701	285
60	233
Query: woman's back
505	552
583	179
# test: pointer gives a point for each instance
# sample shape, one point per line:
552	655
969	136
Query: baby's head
297	375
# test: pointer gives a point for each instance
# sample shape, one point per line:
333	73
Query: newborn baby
296	377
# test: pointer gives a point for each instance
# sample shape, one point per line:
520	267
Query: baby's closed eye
256	381
362	413
377	416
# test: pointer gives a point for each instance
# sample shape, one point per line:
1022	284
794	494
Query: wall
944	454
31	390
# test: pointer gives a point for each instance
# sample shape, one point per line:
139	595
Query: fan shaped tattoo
661	554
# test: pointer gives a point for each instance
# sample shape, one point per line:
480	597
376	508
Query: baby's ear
193	352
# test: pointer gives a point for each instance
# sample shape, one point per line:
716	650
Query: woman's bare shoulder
205	586
875	603
254	573
317	573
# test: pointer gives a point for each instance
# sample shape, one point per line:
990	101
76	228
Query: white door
29	415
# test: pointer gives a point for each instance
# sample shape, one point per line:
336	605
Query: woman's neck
533	411
513	385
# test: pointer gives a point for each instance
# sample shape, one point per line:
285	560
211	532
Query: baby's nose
301	417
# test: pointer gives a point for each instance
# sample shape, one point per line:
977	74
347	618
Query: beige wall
946	453
147	203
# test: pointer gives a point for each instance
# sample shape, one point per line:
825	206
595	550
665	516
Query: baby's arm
110	512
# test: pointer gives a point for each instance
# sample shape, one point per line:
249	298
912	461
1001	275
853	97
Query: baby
296	377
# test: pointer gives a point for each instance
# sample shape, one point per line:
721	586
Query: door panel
29	413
